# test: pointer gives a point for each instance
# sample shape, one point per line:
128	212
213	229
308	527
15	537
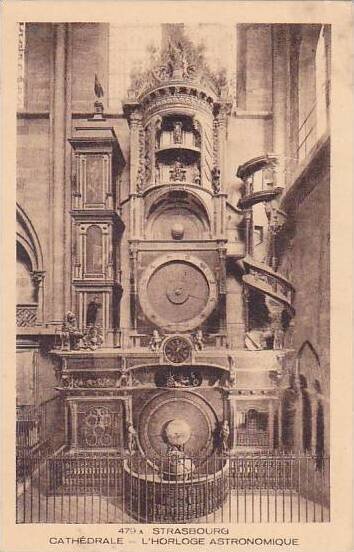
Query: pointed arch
28	238
307	345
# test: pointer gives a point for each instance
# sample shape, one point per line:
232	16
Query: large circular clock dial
178	292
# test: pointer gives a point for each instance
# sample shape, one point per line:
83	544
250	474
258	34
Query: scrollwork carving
215	174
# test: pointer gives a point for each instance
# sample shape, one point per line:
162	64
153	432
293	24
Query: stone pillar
66	422
37	278
280	42
68	191
232	399
248	218
275	310
314	406
280	423
74	424
271	425
135	122
58	178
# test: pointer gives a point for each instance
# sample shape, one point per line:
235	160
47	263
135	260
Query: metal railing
35	438
108	487
246	438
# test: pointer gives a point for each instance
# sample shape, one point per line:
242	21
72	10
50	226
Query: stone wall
305	258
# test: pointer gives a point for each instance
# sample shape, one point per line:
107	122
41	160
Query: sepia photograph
173	273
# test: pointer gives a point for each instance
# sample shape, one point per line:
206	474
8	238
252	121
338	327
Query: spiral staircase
260	186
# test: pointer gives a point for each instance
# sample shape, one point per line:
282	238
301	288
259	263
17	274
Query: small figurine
177	132
155	341
132	438
93	337
278	339
198	340
125	378
178	172
224	436
195	379
196	177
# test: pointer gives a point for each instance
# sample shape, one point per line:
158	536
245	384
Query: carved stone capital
38	277
135	119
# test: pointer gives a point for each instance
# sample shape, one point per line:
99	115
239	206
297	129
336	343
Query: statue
158	129
155	341
125	377
93	337
132	438
99	93
196	177
177	132
140	180
195	379
70	336
198	340
92	311
232	372
178	172
224	436
157	172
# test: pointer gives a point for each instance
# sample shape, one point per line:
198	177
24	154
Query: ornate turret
178	107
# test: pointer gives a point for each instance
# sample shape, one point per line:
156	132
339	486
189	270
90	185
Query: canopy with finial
179	61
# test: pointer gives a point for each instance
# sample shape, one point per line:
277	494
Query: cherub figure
132	438
155	341
198	340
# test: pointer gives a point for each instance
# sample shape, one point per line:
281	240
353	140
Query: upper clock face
178	292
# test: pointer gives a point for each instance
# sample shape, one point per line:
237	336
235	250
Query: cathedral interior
172	255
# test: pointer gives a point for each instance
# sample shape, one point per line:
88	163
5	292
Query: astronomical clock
149	353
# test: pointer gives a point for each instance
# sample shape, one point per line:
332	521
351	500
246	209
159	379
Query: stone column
68	191
37	278
275	310
58	175
280	423
232	399
280	42
74	424
66	422
314	406
271	425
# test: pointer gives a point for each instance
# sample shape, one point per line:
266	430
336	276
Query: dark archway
306	415
319	435
288	419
